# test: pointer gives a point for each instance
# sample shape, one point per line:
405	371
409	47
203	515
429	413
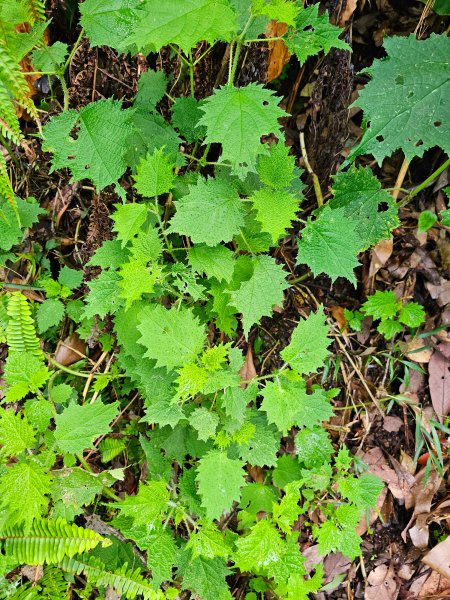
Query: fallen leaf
33	573
373	514
436	586
392	424
248	370
278	52
441	292
439	558
398	480
350	7
382	584
70	351
338	316
417	350
439	380
380	255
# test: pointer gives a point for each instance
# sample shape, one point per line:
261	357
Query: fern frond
25	592
53	583
128	583
49	541
36	9
14	81
9	123
20	331
5	186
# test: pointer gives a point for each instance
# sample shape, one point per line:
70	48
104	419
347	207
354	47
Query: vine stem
316	183
74	49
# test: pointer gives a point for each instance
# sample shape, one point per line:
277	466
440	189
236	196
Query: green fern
49	541
53	583
25	592
20	330
127	583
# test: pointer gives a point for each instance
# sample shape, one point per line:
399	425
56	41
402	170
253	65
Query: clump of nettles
191	263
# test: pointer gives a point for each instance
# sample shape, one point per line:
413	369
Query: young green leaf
16	433
382	305
313	447
284	11
309	343
171	337
217	261
79	425
237	118
275	211
205	577
147	505
277	170
155	174
128	218
259	550
151	89
49	58
362	491
183	23
103	296
186	114
97	150
110	22
220	480
24	373
313	33
211	213
412	314
137	280
426	221
49	314
330	244
373	209
256	297
287	403
404	104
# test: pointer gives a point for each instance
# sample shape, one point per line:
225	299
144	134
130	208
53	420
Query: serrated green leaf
445	216
237	118
389	328
110	255
128	218
313	447
205	577
204	422
211	213
381	305
103	295
287	511
277	170
260	549
287	403
309	343
373	209
161	556
98	150
404	103
339	533
330	244
184	23
220	480
147	505
217	261
412	314
24	373
49	314
275	211
49	58
186	114
362	491
208	542
284	11
171	337
146	246
155	174
75	487
263	443
16	433
163	412
79	425
313	33
151	89
23	493
287	470
71	278
256	297
110	22
137	280
150	131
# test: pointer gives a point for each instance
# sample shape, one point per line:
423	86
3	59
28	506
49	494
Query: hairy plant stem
74	49
316	183
424	184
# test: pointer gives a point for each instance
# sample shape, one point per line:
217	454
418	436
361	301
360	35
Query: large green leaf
406	102
237	118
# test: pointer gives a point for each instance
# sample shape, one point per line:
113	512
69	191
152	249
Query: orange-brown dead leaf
70	351
439	380
278	52
248	370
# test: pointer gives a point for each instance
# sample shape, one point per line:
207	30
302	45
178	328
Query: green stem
191	74
74	49
20	286
424	184
256	40
202	56
105	491
65	91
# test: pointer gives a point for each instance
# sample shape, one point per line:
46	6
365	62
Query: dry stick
107	368
316	183
400	179
103	355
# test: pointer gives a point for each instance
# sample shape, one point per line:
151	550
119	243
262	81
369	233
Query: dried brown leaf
439	558
382	584
70	351
248	370
278	52
439	380
350	7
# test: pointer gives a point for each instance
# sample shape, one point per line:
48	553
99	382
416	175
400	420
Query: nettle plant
189	271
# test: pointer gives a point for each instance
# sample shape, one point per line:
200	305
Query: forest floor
393	385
